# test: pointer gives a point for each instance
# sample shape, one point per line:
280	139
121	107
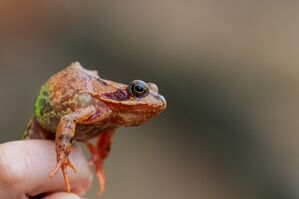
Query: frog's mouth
139	108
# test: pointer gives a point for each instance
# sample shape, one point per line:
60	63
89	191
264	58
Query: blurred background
228	69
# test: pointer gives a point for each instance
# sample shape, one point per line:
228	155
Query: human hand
25	166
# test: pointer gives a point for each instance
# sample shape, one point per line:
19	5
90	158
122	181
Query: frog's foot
98	165
63	164
99	154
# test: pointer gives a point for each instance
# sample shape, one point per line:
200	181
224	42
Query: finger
25	167
62	195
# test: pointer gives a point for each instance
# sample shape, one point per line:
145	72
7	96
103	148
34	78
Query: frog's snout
155	91
163	101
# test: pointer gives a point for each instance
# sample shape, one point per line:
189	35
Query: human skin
25	166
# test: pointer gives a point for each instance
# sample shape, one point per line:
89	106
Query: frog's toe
56	169
63	164
70	165
101	178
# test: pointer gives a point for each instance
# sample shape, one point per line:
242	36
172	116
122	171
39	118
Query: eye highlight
138	88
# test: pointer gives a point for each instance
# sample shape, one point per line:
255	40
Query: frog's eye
138	88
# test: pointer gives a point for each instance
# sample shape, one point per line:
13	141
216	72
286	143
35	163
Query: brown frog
76	104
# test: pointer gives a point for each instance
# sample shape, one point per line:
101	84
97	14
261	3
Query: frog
76	104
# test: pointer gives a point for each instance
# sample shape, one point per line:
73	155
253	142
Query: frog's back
57	96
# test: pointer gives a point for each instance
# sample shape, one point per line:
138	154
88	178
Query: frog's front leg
63	140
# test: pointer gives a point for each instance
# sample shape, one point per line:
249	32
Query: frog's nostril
162	99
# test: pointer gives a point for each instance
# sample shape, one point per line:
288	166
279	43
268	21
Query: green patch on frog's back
42	106
41	101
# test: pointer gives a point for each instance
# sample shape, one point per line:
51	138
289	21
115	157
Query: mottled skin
76	104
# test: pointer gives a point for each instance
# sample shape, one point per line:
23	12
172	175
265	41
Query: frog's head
135	103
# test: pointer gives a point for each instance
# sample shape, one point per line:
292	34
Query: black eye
138	88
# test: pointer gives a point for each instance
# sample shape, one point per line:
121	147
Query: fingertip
62	195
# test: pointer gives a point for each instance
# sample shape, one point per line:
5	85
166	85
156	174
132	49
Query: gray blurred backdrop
228	69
